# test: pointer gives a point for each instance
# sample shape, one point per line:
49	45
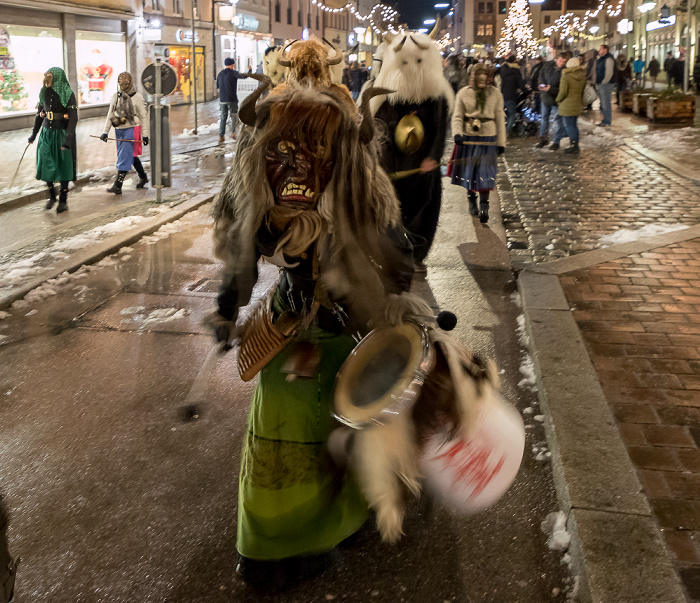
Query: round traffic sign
168	80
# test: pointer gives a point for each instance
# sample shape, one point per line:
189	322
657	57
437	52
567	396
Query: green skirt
285	508
53	164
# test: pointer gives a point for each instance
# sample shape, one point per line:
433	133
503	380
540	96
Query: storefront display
25	55
248	50
180	58
100	57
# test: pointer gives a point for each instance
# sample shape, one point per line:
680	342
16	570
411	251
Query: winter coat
511	81
668	65
678	72
550	75
358	77
493	116
140	114
605	69
456	75
696	73
570	97
654	67
535	74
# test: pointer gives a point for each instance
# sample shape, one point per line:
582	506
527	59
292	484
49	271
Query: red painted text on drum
470	461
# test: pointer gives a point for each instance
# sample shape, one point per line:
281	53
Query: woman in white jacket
129	118
479	129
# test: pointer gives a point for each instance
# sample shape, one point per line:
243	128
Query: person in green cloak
57	112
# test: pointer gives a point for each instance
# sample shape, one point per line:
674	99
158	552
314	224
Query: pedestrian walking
534	74
668	67
227	84
605	74
678	71
128	116
479	129
570	100
623	75
358	76
56	152
306	192
454	73
549	79
511	87
638	68
654	68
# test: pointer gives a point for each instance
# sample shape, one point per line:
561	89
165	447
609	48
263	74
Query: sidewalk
93	154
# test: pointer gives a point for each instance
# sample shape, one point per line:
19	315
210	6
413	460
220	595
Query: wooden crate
681	110
626	100
639	103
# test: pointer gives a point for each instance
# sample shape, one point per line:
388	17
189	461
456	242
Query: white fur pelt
412	65
272	68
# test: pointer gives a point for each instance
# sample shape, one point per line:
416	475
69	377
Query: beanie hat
229	61
572	63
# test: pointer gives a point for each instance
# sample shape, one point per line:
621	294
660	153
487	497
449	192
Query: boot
473	207
573	148
116	188
542	142
554	146
52	195
484	208
143	179
62	199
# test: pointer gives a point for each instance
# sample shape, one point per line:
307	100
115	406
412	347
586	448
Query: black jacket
535	74
53	108
550	76
511	81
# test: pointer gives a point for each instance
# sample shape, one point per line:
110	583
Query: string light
570	24
387	15
518	30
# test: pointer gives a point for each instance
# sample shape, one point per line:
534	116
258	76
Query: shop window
318	21
177	7
278	11
156	4
100	58
489	30
308	20
480	30
26	53
289	13
489	7
547	19
481	7
502	8
180	59
299	21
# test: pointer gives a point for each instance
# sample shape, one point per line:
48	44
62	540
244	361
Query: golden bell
409	134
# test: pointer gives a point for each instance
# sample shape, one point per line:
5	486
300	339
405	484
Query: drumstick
117	139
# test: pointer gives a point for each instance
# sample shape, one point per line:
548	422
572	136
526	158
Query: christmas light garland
388	14
518	31
570	24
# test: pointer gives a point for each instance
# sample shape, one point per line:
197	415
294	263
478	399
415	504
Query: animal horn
422	46
367	126
282	56
436	29
247	112
337	56
401	43
389	37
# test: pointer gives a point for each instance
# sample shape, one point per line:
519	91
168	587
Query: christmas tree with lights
11	85
517	34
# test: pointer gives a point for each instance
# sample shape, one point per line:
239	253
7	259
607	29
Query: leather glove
31	139
144	139
103	137
501	150
224	330
458	138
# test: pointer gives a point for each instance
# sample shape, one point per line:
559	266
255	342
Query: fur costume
271	67
412	68
306	193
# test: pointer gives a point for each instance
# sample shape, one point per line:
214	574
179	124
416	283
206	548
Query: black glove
501	150
31	139
458	138
223	330
103	137
145	140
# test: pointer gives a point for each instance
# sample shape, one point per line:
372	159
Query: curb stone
616	544
106	247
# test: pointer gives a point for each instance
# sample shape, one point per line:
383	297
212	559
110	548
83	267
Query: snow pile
209	129
31	187
594	137
683	141
156	315
50	288
554	525
99	175
625	235
540	451
527	370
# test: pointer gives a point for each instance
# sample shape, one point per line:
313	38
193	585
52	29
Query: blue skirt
125	150
475	163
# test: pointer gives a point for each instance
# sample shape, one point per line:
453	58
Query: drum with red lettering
475	468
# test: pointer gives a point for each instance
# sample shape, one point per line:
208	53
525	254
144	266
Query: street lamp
429	22
442	5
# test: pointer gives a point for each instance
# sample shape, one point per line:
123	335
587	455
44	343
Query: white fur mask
412	65
272	68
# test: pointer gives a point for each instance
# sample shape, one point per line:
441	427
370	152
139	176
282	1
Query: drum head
380	369
472	471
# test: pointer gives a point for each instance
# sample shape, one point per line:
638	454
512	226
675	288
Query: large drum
383	375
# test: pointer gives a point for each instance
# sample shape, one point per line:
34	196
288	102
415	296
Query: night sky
413	12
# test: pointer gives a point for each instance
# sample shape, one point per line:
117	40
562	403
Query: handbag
590	94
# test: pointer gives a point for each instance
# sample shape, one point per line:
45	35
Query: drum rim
401	396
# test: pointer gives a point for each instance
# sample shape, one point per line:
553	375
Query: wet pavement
115	495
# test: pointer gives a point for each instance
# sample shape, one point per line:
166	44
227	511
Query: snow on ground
554	525
140	314
209	129
592	136
31	187
627	235
683	141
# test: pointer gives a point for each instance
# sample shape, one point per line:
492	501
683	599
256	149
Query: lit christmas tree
517	34
11	85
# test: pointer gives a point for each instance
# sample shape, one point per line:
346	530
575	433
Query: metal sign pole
686	62
193	68
158	135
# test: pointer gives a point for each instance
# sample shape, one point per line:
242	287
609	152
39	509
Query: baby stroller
527	121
